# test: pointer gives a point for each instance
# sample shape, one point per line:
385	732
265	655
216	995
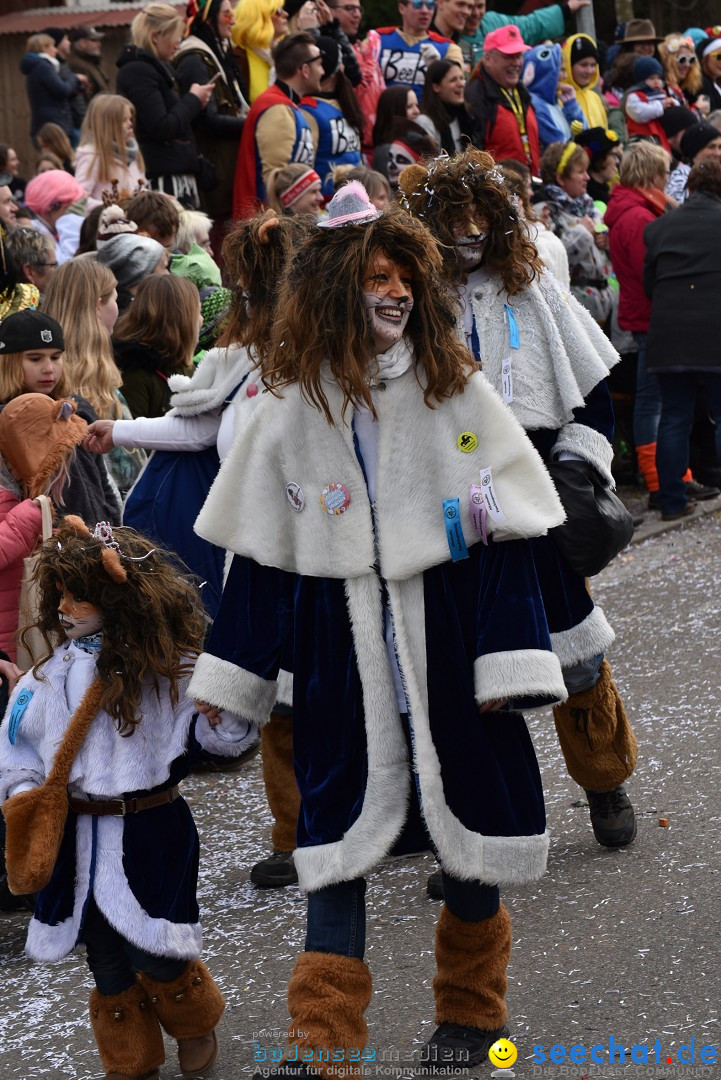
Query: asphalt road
621	944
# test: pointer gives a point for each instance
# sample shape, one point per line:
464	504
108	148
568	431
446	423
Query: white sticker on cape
489	497
507	380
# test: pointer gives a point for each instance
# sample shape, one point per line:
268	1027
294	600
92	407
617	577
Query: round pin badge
467	442
335	499
294	495
252	390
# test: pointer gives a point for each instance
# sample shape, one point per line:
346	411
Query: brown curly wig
255	253
153	626
445	192
322	315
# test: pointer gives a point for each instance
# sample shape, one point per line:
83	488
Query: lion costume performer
352	498
549	360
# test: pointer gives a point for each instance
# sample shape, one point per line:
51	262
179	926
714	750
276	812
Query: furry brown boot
471	960
127	1033
189	1009
596	738
281	789
327	997
470	990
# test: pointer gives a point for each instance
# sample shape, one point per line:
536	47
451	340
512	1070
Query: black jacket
145	382
164	119
50	92
682	275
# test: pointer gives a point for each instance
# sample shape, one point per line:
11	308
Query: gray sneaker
612	817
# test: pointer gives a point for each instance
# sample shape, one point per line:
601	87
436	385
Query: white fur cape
563	352
286	441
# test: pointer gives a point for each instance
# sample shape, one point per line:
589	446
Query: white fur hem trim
518	674
284	692
232	688
385	803
588	638
50	943
590	445
465	854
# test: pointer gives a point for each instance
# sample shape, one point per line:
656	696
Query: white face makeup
78	618
388	296
470	243
398	157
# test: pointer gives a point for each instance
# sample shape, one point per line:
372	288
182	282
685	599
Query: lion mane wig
153	625
444	193
322	324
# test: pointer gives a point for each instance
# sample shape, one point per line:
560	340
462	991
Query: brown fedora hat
639	30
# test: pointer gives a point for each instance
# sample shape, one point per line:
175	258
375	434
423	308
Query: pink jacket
20	530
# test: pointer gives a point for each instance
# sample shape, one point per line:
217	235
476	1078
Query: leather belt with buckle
121	807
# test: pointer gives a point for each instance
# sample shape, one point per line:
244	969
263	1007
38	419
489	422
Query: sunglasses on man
418	4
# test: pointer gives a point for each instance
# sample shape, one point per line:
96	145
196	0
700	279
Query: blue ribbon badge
514	337
21	703
454	532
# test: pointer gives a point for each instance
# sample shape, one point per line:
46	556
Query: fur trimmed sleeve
514	660
238	672
20	762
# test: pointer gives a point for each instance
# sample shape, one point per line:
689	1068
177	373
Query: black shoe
434	886
453	1045
700	492
221	763
612	817
654	500
296	1070
686	512
275	872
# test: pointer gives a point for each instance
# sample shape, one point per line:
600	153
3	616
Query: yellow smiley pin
502	1054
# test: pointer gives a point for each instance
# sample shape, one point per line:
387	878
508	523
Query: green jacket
548	22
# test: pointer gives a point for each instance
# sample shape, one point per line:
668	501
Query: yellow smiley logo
503	1053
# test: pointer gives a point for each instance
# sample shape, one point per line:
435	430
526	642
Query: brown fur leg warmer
127	1032
328	995
189	1006
596	738
281	789
472	960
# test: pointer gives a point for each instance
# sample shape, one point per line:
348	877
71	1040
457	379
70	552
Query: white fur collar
563	352
217	375
288	442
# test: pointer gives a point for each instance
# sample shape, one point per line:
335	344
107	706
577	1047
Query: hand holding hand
99	439
212	712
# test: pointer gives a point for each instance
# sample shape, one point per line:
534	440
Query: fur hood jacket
342	585
217	375
141	868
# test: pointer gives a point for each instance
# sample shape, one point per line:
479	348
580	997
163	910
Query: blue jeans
647	402
678	400
114	961
336	914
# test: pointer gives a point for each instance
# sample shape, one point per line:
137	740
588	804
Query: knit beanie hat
583	47
696	137
56	34
331	54
292	7
645	67
112	223
676	119
36	435
130	257
52	189
29	330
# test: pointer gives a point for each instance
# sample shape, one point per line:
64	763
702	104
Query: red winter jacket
20	530
629	212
